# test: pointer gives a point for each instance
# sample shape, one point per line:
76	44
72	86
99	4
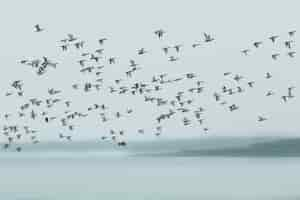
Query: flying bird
177	47
101	41
273	38
291	54
275	56
159	33
268	75
208	38
245	51
38	28
172	58
196	45
257	44
166	49
288	44
291	33
71	37
261	119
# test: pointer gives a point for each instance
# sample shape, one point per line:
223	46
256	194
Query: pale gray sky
129	25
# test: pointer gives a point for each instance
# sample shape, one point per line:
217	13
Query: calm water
234	168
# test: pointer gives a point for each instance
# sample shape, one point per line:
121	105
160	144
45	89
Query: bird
196	45
159	33
24	61
275	56
290	89
172	58
270	93
68	103
257	44
291	54
217	96
99	51
273	38
166	49
79	45
141	51
233	107
288	44
208	38
112	60
101	41
85	54
237	77
95	58
82	62
245	51
38	28
251	83
284	98
239	89
291	33
87	69
71	37
268	75
177	47
261	119
17	84
64	47
133	63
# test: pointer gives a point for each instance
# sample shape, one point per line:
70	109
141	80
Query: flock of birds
92	65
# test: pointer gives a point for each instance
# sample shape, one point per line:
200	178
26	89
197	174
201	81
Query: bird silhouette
38	28
273	38
208	37
159	33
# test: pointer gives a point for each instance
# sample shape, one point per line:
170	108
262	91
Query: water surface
223	168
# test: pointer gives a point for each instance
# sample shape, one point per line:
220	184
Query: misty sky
129	25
